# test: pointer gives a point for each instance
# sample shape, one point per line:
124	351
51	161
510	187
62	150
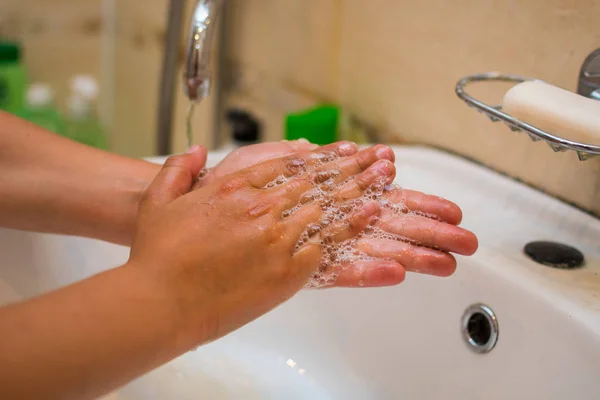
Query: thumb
174	179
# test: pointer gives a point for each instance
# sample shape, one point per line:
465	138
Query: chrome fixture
197	76
479	327
198	53
589	76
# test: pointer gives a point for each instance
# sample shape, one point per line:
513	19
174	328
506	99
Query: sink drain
556	255
480	328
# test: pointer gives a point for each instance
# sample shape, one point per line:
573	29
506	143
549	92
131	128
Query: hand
431	232
248	156
430	228
226	253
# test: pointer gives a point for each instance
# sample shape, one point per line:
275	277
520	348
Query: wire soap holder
495	114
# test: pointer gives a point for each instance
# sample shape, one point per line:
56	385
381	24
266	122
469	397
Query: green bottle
13	78
40	108
319	125
83	124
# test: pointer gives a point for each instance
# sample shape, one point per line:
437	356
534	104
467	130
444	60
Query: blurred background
117	43
387	69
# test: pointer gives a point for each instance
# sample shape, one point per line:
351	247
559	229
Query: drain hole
479	329
556	255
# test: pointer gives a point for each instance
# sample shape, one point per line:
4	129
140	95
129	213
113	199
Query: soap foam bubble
335	256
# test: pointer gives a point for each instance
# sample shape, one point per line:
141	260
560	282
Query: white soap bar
555	110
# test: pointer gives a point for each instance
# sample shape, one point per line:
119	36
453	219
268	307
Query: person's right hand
225	252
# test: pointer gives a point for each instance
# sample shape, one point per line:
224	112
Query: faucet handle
589	76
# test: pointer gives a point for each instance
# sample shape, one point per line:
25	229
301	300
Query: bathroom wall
60	37
118	41
395	63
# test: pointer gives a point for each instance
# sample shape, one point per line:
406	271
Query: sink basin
403	342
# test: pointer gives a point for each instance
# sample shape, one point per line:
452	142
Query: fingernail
348	148
384	152
383	167
193	149
303	140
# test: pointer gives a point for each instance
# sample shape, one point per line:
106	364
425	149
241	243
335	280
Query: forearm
52	184
90	338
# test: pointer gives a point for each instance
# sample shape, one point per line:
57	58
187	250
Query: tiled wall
395	64
118	41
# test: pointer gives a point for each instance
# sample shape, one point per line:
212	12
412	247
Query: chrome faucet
197	75
589	76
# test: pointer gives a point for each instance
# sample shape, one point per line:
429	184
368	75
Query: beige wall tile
295	41
138	52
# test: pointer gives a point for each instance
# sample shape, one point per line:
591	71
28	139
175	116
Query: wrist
157	297
191	320
128	190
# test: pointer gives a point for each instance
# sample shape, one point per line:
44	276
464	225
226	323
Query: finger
382	172
375	273
438	207
353	165
307	221
261	174
333	173
414	258
299	145
175	178
431	233
343	148
251	155
314	238
301	219
350	226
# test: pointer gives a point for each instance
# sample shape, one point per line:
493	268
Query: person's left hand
249	156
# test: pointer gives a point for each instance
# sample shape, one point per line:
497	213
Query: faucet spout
197	75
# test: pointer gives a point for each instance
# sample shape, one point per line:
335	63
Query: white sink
402	342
